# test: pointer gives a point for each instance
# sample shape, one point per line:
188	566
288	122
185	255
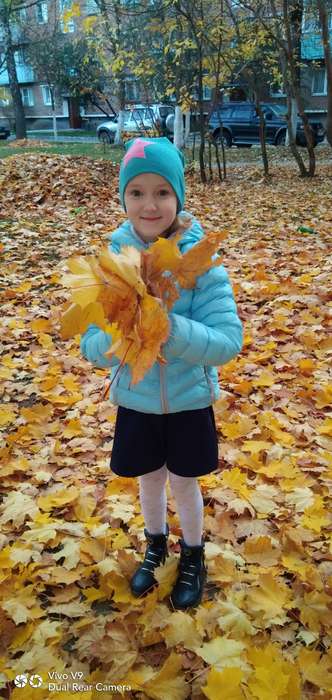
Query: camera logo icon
22	679
35	681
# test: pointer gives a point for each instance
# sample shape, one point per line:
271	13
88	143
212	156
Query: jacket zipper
208	379
164	403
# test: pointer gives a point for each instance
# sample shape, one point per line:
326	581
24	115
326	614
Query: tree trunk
293	122
293	22
323	18
119	129
20	124
178	128
55	130
201	119
262	136
118	134
186	128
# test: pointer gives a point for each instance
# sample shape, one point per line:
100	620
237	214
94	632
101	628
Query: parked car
4	132
138	119
238	123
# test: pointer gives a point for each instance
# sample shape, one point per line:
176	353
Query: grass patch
92	150
62	132
234	156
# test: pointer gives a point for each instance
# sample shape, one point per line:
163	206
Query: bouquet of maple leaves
128	295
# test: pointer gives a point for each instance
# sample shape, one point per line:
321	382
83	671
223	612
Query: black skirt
186	442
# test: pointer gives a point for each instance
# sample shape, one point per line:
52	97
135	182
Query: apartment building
314	74
36	94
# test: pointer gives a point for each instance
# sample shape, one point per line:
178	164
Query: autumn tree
282	21
66	63
112	30
9	18
324	9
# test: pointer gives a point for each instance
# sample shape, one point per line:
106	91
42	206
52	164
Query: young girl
165	425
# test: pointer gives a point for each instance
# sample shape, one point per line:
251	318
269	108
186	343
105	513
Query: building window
132	91
319	82
42	12
20	57
47	98
27	97
67	25
91	8
207	92
5	98
22	13
277	90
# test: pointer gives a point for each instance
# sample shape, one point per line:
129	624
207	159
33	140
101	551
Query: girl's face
151	205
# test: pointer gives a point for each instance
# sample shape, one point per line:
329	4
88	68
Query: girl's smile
151	205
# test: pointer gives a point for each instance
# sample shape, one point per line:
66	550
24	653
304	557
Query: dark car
238	124
4	132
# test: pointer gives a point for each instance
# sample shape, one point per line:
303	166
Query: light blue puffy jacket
205	332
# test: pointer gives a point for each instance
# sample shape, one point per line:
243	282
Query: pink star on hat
137	150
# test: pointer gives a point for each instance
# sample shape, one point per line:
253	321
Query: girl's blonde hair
181	223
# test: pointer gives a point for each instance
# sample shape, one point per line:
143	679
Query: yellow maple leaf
17	507
197	260
229	680
238	428
84	283
273	676
126	265
316	516
315	611
75	319
70	550
73	428
255	446
182	629
84	506
269	682
270	599
236	480
222	652
166	574
323	396
316	668
169	682
58	499
7	414
234	621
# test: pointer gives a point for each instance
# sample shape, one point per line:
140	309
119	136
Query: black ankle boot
155	554
188	589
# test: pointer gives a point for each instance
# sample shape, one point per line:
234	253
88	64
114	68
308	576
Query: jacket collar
125	234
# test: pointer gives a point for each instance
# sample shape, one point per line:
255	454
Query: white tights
189	501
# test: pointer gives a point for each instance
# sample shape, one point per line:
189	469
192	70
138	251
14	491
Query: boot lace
154	562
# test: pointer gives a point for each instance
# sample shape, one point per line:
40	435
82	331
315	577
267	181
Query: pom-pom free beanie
153	155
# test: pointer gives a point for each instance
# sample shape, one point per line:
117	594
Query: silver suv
138	120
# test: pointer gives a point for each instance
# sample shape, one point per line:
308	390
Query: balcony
25	74
312	46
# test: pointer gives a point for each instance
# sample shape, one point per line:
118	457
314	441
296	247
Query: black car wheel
225	137
105	137
281	138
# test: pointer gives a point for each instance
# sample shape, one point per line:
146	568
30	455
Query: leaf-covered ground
72	534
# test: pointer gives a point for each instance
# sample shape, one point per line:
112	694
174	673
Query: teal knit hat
153	155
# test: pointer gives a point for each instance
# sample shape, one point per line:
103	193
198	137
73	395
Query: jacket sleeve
94	343
214	333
